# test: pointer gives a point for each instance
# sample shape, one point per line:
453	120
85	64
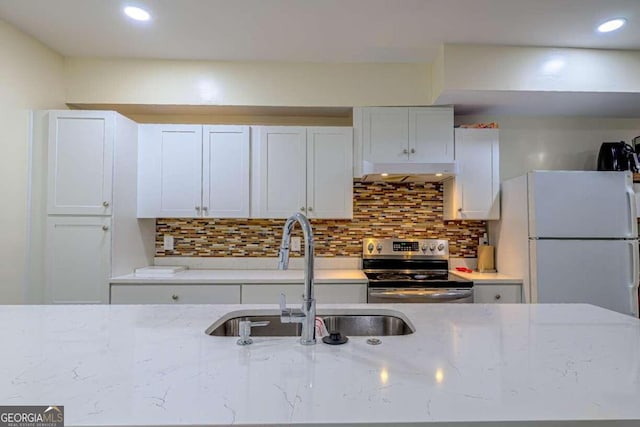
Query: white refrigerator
572	236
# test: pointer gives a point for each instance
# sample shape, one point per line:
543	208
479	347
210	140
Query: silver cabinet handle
302	209
105	228
175	297
205	210
310	209
459	209
405	151
497	297
197	208
413	150
105	204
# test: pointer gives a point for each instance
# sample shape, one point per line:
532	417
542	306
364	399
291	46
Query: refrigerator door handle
633	214
635	277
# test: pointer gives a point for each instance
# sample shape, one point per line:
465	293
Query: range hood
408	172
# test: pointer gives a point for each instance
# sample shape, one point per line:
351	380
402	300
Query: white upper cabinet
80	162
330	172
225	177
473	193
431	135
185	171
279	164
298	169
400	134
386	134
169	171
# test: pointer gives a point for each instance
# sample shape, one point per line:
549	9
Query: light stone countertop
154	366
481	278
247	276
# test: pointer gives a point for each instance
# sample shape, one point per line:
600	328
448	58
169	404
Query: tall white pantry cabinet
91	228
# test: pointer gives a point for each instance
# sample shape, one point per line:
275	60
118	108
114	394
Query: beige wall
133	81
476	67
572	143
30	78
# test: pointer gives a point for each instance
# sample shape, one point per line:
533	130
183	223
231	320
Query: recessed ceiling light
384	174
612	25
137	13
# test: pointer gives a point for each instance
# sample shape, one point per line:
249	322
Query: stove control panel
405	248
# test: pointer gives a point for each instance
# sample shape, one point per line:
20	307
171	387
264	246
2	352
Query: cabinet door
170	171
279	177
225	178
78	259
477	182
175	294
386	134
497	294
80	162
330	172
431	135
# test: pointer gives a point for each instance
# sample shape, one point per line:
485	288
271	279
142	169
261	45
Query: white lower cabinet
497	293
175	294
262	293
78	261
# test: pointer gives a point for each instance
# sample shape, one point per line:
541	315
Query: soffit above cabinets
530	103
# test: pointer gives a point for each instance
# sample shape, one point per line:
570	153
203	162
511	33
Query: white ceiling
316	30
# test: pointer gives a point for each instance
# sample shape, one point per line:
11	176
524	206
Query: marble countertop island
503	365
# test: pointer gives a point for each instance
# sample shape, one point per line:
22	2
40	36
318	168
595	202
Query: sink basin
353	323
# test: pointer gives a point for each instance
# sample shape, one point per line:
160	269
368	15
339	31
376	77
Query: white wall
570	143
31	76
135	81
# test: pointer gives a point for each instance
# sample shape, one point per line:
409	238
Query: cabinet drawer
497	294
324	294
175	294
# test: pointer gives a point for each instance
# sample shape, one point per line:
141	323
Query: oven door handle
445	295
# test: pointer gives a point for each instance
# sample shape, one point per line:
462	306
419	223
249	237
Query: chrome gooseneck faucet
307	315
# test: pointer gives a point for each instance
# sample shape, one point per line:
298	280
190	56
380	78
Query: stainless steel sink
349	324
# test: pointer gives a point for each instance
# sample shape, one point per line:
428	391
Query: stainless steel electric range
412	271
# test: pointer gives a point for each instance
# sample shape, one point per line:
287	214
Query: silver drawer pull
497	297
175	297
105	228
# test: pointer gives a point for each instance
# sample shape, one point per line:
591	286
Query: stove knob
370	247
379	247
432	247
424	248
441	246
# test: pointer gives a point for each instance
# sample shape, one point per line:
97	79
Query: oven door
419	295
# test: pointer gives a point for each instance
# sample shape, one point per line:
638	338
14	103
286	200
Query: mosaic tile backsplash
379	210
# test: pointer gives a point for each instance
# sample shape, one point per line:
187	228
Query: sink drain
374	341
